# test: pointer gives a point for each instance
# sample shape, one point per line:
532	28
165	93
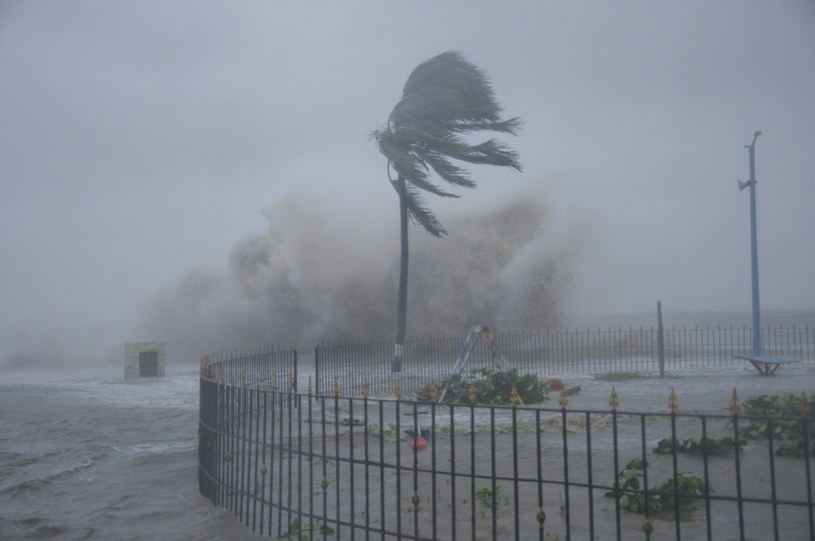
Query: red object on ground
555	384
418	443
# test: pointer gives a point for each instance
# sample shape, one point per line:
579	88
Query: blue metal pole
754	248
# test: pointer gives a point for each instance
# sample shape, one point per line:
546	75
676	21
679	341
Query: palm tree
444	100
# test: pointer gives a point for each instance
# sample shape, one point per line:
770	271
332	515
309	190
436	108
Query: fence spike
673	403
514	397
614	401
365	388
735	405
541	516
336	386
803	405
564	397
433	392
648	526
398	390
473	394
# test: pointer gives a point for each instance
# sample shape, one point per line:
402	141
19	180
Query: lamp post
754	244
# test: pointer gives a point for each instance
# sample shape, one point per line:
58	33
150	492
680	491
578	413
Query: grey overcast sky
141	140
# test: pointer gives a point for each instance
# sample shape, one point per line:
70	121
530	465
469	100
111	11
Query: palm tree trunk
401	317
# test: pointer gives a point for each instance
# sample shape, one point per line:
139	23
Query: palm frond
409	165
448	171
419	213
447	87
444	99
510	126
450	145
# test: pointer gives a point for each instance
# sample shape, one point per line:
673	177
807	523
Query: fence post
317	370
660	340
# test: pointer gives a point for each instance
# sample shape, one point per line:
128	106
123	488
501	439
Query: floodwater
98	457
104	459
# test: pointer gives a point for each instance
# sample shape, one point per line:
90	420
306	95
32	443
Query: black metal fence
554	353
297	465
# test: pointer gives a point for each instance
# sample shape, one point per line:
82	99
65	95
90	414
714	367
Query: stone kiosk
144	359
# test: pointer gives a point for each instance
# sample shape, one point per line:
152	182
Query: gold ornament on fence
647	525
337	386
365	388
433	392
398	391
803	405
613	401
673	403
541	516
564	397
473	393
735	405
514	397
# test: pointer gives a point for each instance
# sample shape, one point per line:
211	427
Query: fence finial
803	405
416	500
365	388
648	526
514	397
398	390
433	392
564	397
673	403
541	516
336	386
735	405
473	394
274	382
613	401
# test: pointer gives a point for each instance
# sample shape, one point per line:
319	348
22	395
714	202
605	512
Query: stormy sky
144	141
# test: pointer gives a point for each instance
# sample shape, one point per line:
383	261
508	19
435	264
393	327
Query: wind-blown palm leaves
445	100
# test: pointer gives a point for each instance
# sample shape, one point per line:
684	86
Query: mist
315	275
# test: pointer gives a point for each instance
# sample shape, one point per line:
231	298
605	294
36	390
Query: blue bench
767	365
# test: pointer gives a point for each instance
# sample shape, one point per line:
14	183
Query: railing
297	465
554	353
